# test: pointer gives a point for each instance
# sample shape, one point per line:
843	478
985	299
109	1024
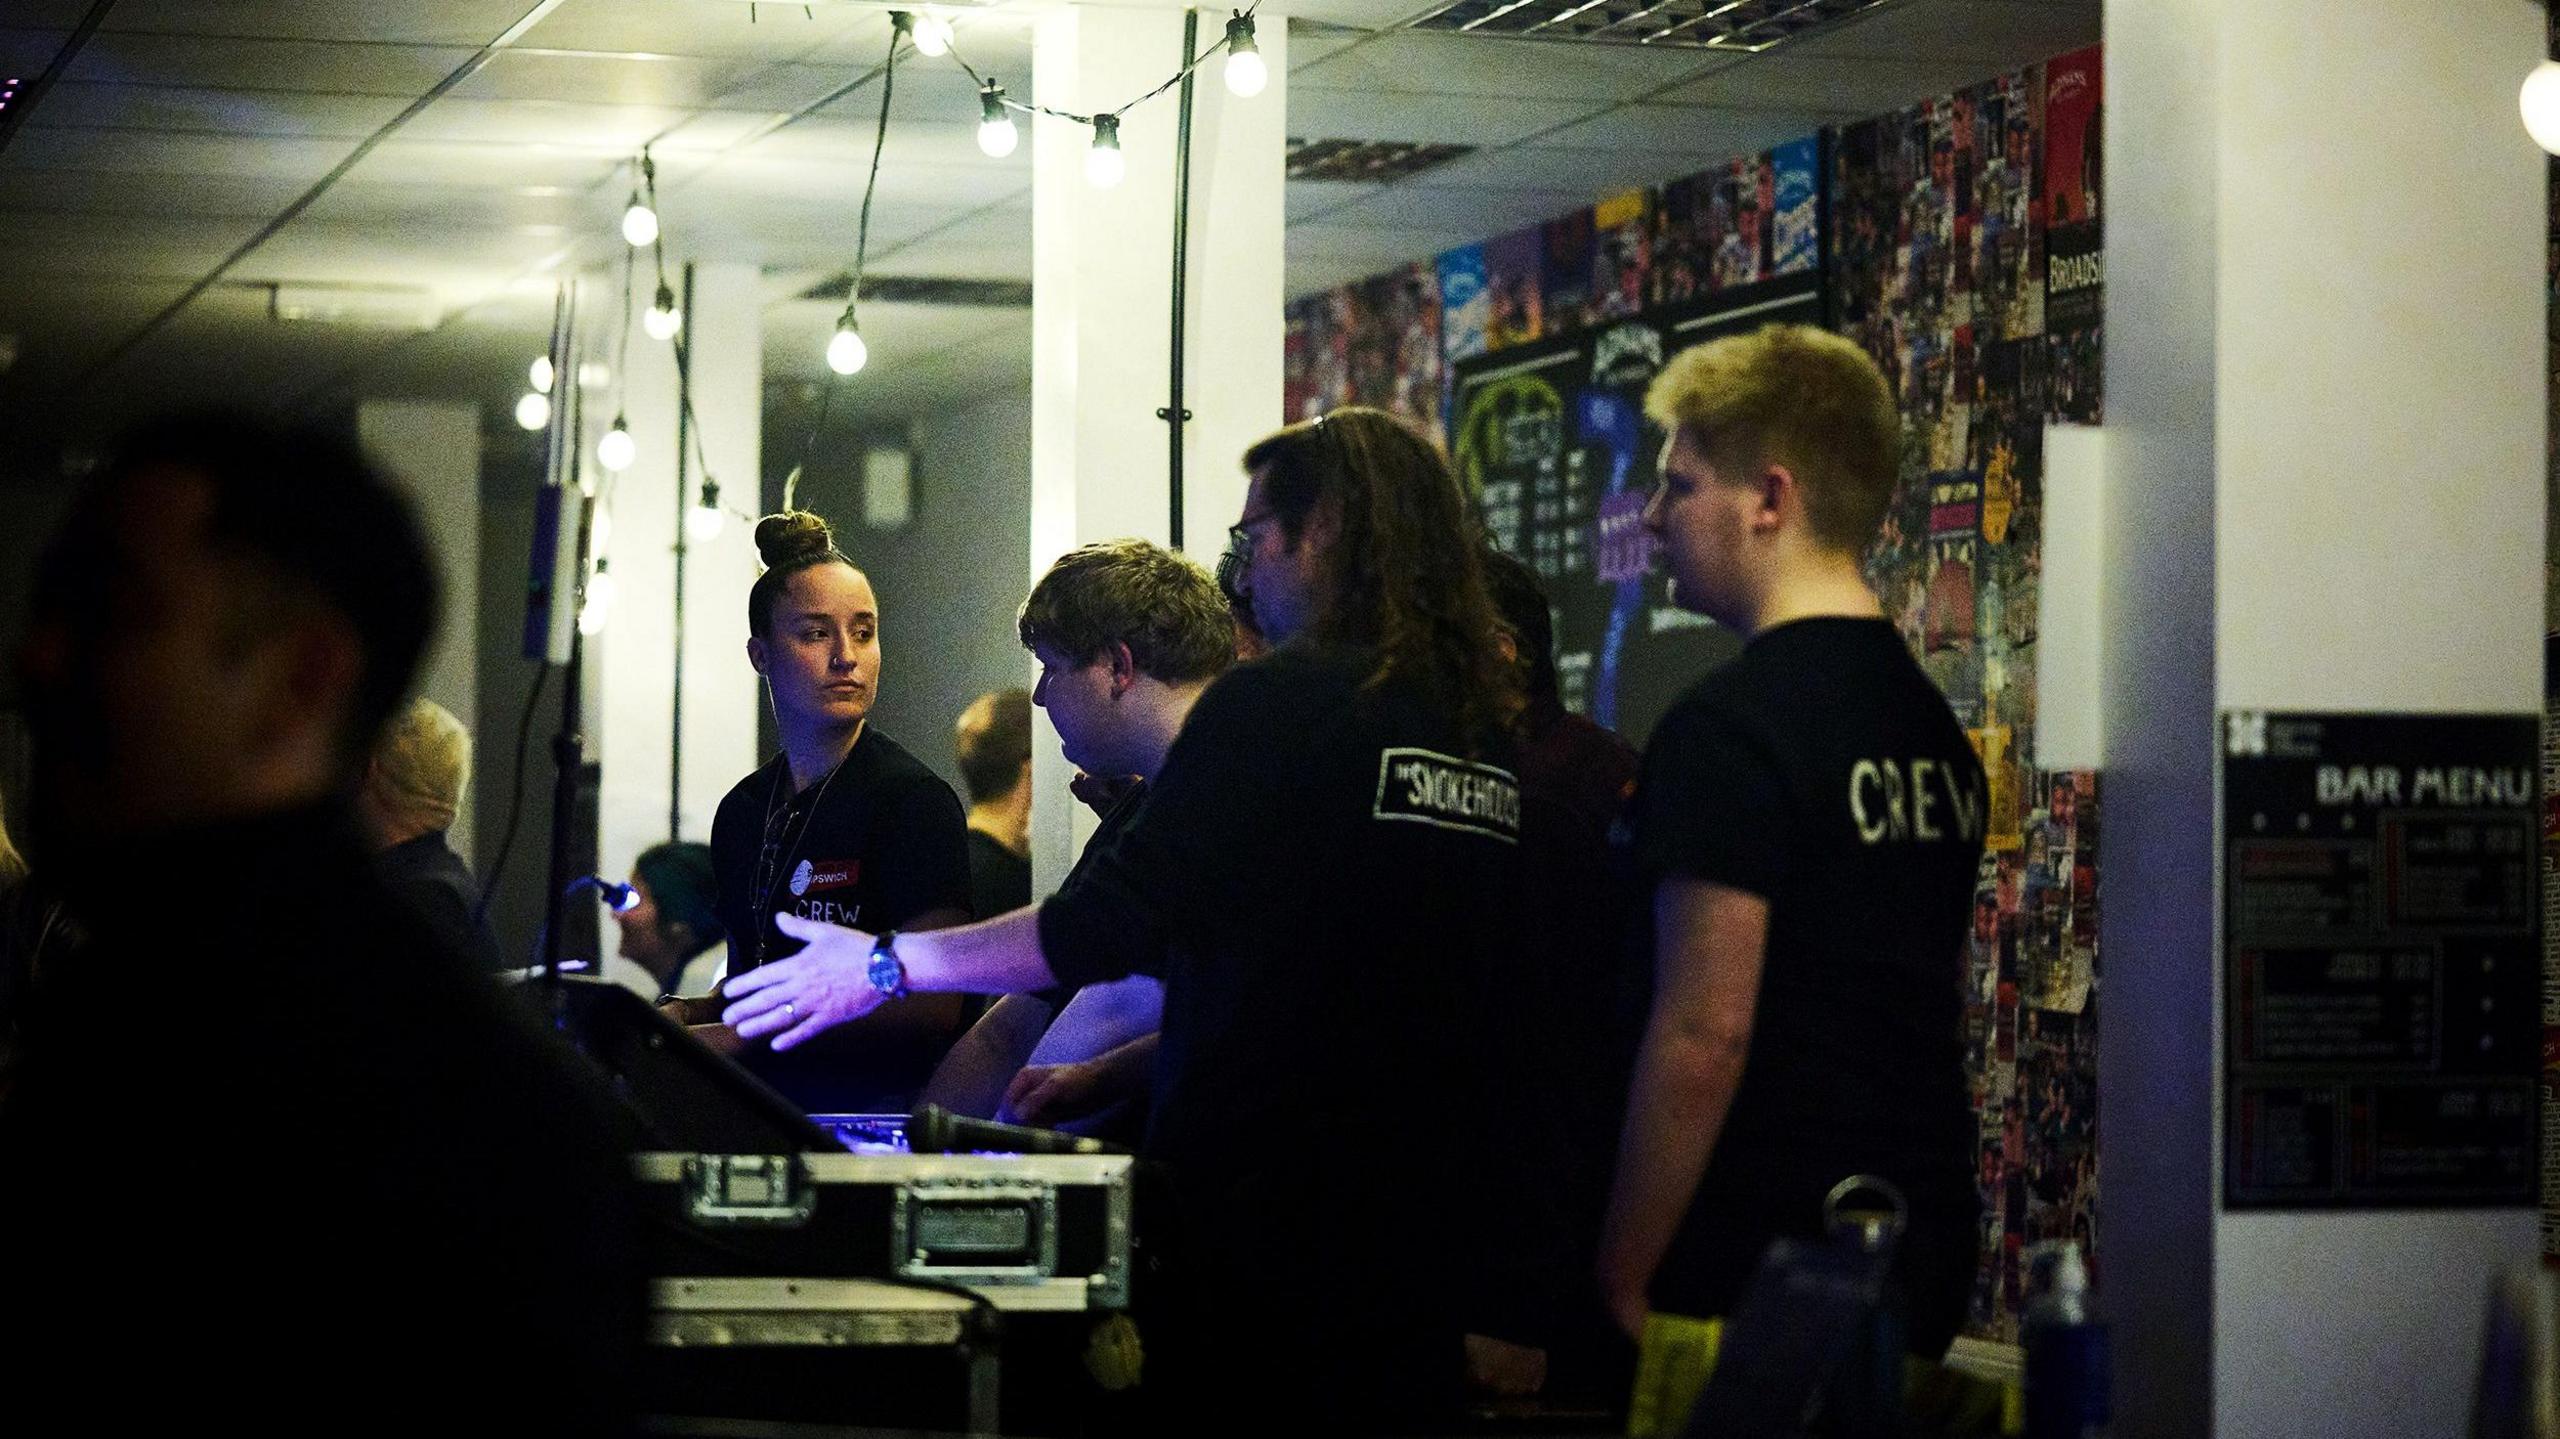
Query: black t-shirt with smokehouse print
1823	772
1325	874
872	845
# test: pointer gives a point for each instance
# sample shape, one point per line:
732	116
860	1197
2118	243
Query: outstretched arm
828	982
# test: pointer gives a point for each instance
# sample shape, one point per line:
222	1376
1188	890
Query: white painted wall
949	580
432	449
2324	387
630	726
1102	313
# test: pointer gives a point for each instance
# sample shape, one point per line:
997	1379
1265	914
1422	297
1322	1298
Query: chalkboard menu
2381	963
1553	444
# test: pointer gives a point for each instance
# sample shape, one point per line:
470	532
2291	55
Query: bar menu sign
2382	974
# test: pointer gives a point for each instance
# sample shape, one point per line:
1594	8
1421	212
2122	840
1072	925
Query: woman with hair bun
843	826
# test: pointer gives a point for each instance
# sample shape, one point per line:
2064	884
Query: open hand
797	999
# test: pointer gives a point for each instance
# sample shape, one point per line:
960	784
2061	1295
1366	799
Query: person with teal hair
671	921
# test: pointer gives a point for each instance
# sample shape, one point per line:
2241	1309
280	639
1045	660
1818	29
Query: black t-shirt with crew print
875	842
1822	771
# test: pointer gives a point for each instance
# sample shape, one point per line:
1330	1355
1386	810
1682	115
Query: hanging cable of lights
931	35
1105	166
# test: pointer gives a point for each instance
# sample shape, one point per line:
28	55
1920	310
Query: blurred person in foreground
413	1194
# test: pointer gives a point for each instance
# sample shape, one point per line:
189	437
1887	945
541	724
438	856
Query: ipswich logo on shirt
1422	786
818	876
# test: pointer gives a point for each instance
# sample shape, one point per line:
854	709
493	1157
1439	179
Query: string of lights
931	34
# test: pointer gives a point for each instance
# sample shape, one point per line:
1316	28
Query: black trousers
1263	1308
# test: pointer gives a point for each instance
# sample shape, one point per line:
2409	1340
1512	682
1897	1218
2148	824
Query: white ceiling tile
399	161
393	254
988	244
88	305
790	88
214	62
1835	85
701	27
1424	63
445	22
714	131
674	81
903	380
1322	256
1308	199
1362	14
26	50
72	104
573	125
1993	35
1309	44
48	14
150	153
25	187
1591	173
35	246
1482	213
1317	113
452	208
1687	130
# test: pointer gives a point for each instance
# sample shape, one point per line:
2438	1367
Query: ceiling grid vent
1748	27
1367	162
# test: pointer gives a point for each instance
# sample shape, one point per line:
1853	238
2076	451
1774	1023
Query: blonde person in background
410	795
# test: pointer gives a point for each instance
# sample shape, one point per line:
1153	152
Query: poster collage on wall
1958	241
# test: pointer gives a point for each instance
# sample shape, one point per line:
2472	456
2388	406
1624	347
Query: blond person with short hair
409	797
1812	816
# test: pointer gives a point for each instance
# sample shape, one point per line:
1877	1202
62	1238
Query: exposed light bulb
2540	103
663	319
996	135
846	353
1104	165
931	33
542	374
702	522
534	410
639	223
1246	74
617	449
598	605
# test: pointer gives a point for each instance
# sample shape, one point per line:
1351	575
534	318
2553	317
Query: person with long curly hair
1323	874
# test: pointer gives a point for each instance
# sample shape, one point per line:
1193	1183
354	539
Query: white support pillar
2324	368
1102	310
432	450
630	729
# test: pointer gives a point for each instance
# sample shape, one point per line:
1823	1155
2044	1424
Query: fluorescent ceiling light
397	307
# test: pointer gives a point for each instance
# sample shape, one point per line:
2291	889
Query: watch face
888	975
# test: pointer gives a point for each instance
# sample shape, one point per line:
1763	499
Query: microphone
933	1129
620	898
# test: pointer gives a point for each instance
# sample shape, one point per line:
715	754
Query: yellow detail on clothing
1113	1354
1677	1356
1674	1358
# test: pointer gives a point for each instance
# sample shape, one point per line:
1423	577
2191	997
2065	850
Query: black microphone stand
569	761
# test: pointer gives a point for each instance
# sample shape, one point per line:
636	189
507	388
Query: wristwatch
888	973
